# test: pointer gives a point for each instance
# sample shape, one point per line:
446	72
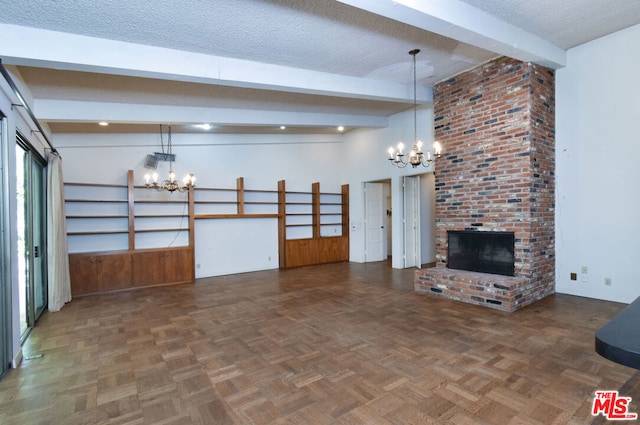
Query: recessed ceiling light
203	126
282	127
340	128
103	123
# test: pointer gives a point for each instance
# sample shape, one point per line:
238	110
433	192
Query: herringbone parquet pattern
333	344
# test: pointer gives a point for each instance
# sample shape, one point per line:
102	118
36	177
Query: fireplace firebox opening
484	252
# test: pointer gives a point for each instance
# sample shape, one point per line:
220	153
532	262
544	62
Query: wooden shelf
216	202
96	185
275	192
213	216
149	201
213	189
160	215
99	232
260	203
96	216
99	201
161	230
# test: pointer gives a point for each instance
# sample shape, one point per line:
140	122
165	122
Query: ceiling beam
460	21
32	47
54	110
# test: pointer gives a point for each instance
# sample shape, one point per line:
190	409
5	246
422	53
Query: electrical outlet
607	281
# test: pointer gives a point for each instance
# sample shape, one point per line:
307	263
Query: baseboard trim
17	359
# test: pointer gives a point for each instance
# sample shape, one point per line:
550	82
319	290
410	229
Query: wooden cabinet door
178	265
302	252
148	268
93	273
330	251
84	274
114	272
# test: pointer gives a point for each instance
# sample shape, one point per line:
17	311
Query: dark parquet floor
335	344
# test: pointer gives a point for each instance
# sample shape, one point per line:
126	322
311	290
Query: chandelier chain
415	115
415	157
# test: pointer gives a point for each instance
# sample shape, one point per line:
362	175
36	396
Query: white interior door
374	221
411	195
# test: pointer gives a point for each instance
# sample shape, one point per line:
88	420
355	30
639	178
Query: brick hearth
496	124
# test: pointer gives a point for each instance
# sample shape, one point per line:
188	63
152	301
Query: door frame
381	222
6	341
411	202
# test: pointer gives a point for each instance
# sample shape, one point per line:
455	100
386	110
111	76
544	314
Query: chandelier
170	184
416	157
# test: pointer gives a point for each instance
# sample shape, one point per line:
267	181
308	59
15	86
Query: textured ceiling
306	64
565	23
321	35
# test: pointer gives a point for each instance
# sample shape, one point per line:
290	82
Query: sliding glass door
31	224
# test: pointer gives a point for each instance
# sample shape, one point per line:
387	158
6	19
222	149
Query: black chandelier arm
398	162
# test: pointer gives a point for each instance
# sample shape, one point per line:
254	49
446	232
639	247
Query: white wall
365	151
597	173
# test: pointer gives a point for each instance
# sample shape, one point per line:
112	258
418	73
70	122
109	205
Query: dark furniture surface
619	340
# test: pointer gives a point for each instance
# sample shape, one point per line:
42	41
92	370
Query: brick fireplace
496	123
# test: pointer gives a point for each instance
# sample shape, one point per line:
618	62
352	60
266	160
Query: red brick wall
496	124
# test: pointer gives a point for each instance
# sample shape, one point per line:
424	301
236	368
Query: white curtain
57	254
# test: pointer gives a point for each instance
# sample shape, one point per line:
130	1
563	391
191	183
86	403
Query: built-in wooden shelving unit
312	229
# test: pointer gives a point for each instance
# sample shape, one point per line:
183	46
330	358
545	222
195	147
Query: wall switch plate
585	270
574	276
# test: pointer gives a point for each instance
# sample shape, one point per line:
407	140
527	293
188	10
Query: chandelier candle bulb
437	148
189	179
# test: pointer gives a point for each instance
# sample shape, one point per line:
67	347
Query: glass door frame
6	333
34	252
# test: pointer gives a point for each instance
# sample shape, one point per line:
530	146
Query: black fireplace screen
485	252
